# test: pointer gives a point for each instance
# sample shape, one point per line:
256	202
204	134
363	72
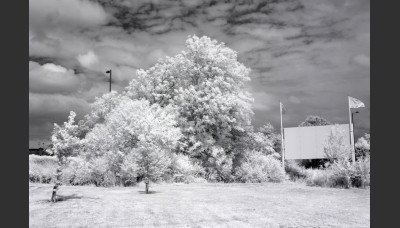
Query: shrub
318	177
341	173
362	169
363	147
294	171
346	174
218	166
257	167
42	168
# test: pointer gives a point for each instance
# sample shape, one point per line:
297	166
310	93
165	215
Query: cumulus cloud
88	60
51	78
65	14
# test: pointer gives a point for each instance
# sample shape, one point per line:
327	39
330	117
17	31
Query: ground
286	204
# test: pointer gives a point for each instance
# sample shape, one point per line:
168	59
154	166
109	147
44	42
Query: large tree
206	84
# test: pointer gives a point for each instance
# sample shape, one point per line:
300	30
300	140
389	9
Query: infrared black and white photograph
189	113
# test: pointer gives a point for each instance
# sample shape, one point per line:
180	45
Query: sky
308	54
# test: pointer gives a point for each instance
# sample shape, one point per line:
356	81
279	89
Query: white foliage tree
65	143
100	108
130	125
206	84
335	147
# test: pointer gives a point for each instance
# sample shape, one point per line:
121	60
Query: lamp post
352	122
109	71
352	116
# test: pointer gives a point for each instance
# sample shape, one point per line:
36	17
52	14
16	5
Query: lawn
200	205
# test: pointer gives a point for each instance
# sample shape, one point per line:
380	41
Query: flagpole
353	156
282	138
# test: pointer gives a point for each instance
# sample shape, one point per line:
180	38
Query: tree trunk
54	194
58	183
147	188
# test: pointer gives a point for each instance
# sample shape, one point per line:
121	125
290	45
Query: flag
355	103
283	108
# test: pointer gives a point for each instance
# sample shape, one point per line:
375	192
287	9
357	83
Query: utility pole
109	71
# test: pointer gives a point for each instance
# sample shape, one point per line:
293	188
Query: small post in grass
146	181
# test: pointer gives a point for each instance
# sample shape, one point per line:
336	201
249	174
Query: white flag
355	103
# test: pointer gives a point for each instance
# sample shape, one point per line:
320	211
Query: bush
362	170
257	167
363	146
294	171
218	166
341	173
318	177
42	168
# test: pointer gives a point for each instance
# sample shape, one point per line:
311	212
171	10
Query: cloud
54	68
65	14
51	78
88	60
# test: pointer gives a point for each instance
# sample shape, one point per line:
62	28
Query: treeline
184	119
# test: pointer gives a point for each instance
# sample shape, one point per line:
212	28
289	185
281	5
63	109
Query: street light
352	116
109	71
352	122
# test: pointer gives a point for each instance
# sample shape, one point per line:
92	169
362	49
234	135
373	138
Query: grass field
200	205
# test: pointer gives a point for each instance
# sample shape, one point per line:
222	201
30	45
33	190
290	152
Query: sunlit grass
200	205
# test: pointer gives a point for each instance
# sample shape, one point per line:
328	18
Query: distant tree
65	143
363	146
314	121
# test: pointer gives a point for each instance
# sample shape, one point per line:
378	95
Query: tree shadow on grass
150	192
65	198
61	198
